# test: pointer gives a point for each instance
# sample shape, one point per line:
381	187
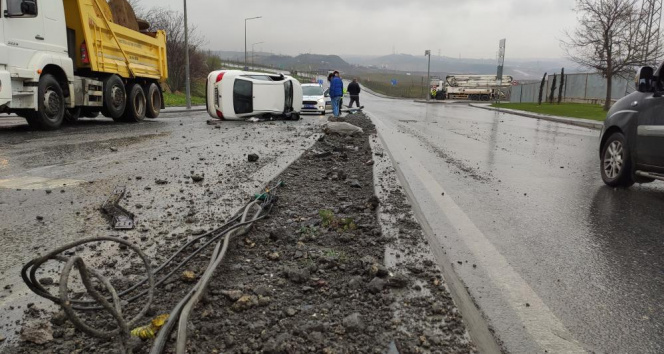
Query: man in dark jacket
354	92
336	93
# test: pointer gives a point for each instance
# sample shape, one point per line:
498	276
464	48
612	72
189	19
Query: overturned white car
236	94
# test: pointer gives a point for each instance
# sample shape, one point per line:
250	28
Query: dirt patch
314	277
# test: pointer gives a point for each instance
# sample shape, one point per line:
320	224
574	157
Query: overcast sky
467	28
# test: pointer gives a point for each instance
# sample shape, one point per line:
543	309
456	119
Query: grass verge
178	99
572	110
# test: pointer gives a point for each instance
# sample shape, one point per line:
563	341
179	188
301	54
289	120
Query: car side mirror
327	93
644	79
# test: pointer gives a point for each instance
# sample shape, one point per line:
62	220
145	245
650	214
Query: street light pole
186	58
245	37
428	53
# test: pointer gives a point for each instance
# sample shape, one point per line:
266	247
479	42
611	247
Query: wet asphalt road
555	260
64	176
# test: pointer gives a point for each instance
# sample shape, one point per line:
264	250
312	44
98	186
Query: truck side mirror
644	79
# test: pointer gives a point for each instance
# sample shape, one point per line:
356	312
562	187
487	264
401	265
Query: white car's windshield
312	91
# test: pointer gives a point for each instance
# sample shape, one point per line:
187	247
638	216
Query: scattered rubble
38	332
313	277
342	128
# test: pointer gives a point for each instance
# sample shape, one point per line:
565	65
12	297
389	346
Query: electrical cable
237	225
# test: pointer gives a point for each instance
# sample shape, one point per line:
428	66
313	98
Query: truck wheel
136	104
50	105
616	163
153	100
485	97
115	97
72	115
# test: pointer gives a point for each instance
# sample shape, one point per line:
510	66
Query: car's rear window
243	92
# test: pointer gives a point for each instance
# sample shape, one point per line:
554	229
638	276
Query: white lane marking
37	183
539	321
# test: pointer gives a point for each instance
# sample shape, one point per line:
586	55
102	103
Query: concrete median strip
586	123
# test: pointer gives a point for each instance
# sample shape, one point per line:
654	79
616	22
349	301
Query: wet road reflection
590	253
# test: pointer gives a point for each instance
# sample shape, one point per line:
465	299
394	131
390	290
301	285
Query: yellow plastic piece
150	331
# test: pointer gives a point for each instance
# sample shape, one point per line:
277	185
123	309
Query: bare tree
606	39
172	23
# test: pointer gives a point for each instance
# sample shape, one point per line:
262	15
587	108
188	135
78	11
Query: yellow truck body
112	48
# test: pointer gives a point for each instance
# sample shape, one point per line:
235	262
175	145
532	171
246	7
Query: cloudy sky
467	28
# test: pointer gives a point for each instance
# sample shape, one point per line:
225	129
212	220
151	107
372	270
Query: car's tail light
220	76
220	115
85	59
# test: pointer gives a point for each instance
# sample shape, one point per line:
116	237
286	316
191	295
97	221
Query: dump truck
470	87
62	59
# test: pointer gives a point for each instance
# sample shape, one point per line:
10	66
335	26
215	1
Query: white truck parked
63	58
470	87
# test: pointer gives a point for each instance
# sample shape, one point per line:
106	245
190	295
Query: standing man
354	91
336	93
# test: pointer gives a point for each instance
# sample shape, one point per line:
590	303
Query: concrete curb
585	123
477	325
169	110
430	101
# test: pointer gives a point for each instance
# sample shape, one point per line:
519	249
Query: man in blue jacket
336	93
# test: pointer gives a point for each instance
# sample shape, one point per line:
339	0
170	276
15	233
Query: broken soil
311	278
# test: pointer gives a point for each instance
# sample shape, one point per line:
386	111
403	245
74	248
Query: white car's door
269	96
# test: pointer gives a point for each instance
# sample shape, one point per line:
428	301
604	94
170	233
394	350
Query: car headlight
321	100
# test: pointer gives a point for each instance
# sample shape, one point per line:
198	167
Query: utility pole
428	53
501	65
245	38
186	58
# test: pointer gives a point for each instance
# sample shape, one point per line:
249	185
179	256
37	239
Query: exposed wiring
239	224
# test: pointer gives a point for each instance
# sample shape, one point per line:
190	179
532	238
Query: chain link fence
578	88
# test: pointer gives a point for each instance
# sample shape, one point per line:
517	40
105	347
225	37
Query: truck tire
136	104
115	97
50	105
485	98
153	97
72	115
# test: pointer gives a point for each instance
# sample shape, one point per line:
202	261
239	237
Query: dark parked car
632	140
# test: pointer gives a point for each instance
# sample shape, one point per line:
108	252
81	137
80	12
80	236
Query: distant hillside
522	69
305	62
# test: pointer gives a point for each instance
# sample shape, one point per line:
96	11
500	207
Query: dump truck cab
63	58
34	41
